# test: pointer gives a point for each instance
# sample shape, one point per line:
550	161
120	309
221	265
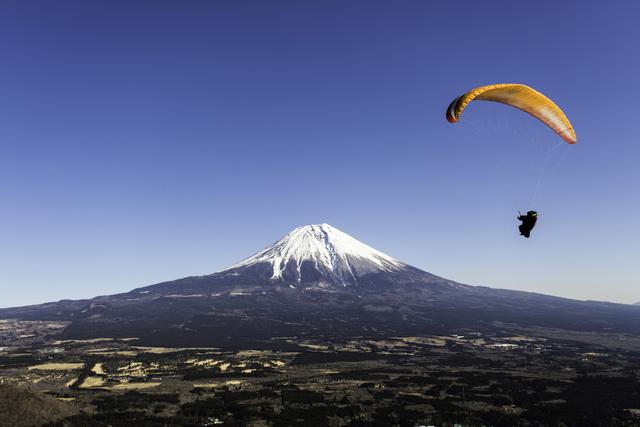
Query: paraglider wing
518	96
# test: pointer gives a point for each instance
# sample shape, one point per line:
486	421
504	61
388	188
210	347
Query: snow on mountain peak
330	251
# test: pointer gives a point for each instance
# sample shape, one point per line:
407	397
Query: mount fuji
317	280
321	257
321	253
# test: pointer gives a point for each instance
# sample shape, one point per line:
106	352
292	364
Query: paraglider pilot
528	222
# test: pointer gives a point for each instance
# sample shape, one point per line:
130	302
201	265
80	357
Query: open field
511	377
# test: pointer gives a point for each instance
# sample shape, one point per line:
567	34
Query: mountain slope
22	406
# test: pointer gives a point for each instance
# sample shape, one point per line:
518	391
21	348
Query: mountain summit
319	253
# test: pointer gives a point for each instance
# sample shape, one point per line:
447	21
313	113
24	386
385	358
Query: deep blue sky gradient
143	141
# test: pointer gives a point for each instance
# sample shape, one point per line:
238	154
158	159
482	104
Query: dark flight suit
528	222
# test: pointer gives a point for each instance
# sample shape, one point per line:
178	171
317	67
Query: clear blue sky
147	141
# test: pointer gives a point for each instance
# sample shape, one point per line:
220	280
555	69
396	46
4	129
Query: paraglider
528	222
521	97
528	100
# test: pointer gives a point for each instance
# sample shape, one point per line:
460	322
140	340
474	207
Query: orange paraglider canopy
521	97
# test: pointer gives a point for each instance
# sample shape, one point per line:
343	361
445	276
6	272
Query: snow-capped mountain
320	253
317	280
